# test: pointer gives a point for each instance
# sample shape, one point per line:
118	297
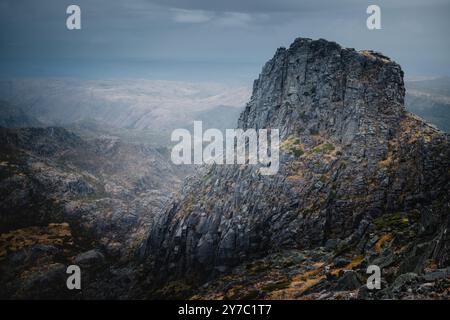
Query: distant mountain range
146	105
14	117
430	99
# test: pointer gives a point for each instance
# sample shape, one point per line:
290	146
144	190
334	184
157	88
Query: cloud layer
210	39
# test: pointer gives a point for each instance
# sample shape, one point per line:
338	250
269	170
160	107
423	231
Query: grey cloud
224	19
278	6
230	38
191	16
266	6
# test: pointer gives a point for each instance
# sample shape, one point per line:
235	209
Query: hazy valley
86	179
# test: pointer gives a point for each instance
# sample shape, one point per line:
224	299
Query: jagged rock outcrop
358	175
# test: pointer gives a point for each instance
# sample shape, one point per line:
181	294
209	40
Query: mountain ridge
351	156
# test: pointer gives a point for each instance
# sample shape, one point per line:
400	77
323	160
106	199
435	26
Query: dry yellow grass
385	238
53	234
386	162
300	283
296	290
352	265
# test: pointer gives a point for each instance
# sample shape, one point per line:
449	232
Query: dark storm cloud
233	38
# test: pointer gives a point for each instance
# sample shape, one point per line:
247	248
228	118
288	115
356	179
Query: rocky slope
361	182
66	200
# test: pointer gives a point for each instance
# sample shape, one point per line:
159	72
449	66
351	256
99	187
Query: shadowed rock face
352	161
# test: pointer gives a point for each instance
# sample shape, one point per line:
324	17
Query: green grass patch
276	286
293	146
397	220
324	148
251	295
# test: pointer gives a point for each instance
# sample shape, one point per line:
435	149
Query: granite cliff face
361	182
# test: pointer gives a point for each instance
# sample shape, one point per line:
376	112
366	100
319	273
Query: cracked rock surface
359	177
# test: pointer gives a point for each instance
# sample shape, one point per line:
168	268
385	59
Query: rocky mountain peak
357	174
316	85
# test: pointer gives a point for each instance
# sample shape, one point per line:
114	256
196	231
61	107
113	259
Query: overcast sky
225	40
